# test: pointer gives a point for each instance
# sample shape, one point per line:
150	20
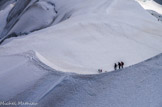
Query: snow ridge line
35	60
31	55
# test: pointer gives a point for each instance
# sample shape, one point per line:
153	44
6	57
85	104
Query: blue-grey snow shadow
136	86
158	1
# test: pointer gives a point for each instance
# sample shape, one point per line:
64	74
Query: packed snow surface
94	35
28	79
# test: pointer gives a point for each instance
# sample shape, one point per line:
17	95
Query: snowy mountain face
30	80
153	6
157	15
4	3
81	36
51	51
27	16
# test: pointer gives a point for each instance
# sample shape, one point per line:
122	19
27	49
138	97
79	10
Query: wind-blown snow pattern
135	86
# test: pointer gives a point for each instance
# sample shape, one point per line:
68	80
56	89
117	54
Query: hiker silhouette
119	65
115	66
122	64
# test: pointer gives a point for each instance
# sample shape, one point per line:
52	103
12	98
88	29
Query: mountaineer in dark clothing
122	64
119	65
115	66
100	70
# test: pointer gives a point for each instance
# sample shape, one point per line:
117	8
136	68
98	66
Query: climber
122	64
115	66
119	65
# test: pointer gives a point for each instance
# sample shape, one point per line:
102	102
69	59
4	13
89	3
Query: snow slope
157	15
5	3
152	5
18	73
3	15
57	66
28	16
95	34
38	16
135	86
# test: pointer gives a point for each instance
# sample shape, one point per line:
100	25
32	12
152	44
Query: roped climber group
119	65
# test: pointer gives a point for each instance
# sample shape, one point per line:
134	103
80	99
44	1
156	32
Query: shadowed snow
135	86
